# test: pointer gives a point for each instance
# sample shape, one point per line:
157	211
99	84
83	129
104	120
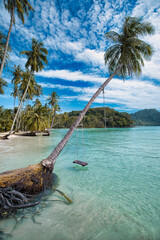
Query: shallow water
115	197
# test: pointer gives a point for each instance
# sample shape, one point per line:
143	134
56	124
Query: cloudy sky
73	32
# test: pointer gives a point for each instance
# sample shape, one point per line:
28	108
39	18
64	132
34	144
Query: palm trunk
19	107
7	42
51	159
52	121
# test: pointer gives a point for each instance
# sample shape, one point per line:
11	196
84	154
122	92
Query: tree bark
52	121
51	159
7	42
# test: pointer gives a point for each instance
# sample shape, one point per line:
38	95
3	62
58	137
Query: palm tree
3	84
20	7
17	78
36	57
53	102
124	58
34	89
35	118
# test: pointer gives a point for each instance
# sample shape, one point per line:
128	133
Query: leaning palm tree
36	58
20	7
53	102
3	84
123	58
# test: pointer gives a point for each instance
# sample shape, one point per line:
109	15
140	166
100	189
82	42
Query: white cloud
96	58
70	76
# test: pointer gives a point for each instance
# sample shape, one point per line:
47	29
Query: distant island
95	118
146	117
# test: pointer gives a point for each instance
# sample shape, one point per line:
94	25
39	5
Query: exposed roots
11	199
17	205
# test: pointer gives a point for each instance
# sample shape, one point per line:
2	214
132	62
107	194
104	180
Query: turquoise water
116	197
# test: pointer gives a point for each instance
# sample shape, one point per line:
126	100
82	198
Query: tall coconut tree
21	8
53	102
36	59
3	84
17	78
124	58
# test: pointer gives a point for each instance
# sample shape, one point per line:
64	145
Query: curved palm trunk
51	159
19	107
7	42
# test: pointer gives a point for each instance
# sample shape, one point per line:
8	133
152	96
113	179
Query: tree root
11	199
68	199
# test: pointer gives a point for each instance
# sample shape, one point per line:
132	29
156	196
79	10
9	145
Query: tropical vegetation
95	118
35	118
36	58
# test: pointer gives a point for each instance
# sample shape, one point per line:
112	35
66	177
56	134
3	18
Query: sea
115	197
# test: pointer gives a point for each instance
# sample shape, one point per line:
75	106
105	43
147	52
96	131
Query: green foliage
3	84
36	57
128	52
21	7
146	117
34	89
36	118
6	118
94	118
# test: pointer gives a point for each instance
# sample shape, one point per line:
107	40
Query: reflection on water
116	196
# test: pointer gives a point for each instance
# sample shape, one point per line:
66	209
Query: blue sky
73	32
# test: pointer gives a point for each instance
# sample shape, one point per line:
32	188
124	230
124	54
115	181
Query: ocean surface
115	197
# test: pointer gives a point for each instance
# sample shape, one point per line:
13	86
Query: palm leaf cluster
3	84
36	117
6	118
21	7
36	57
20	81
128	52
34	89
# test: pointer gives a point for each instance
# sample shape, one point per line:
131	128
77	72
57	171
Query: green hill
94	118
146	117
